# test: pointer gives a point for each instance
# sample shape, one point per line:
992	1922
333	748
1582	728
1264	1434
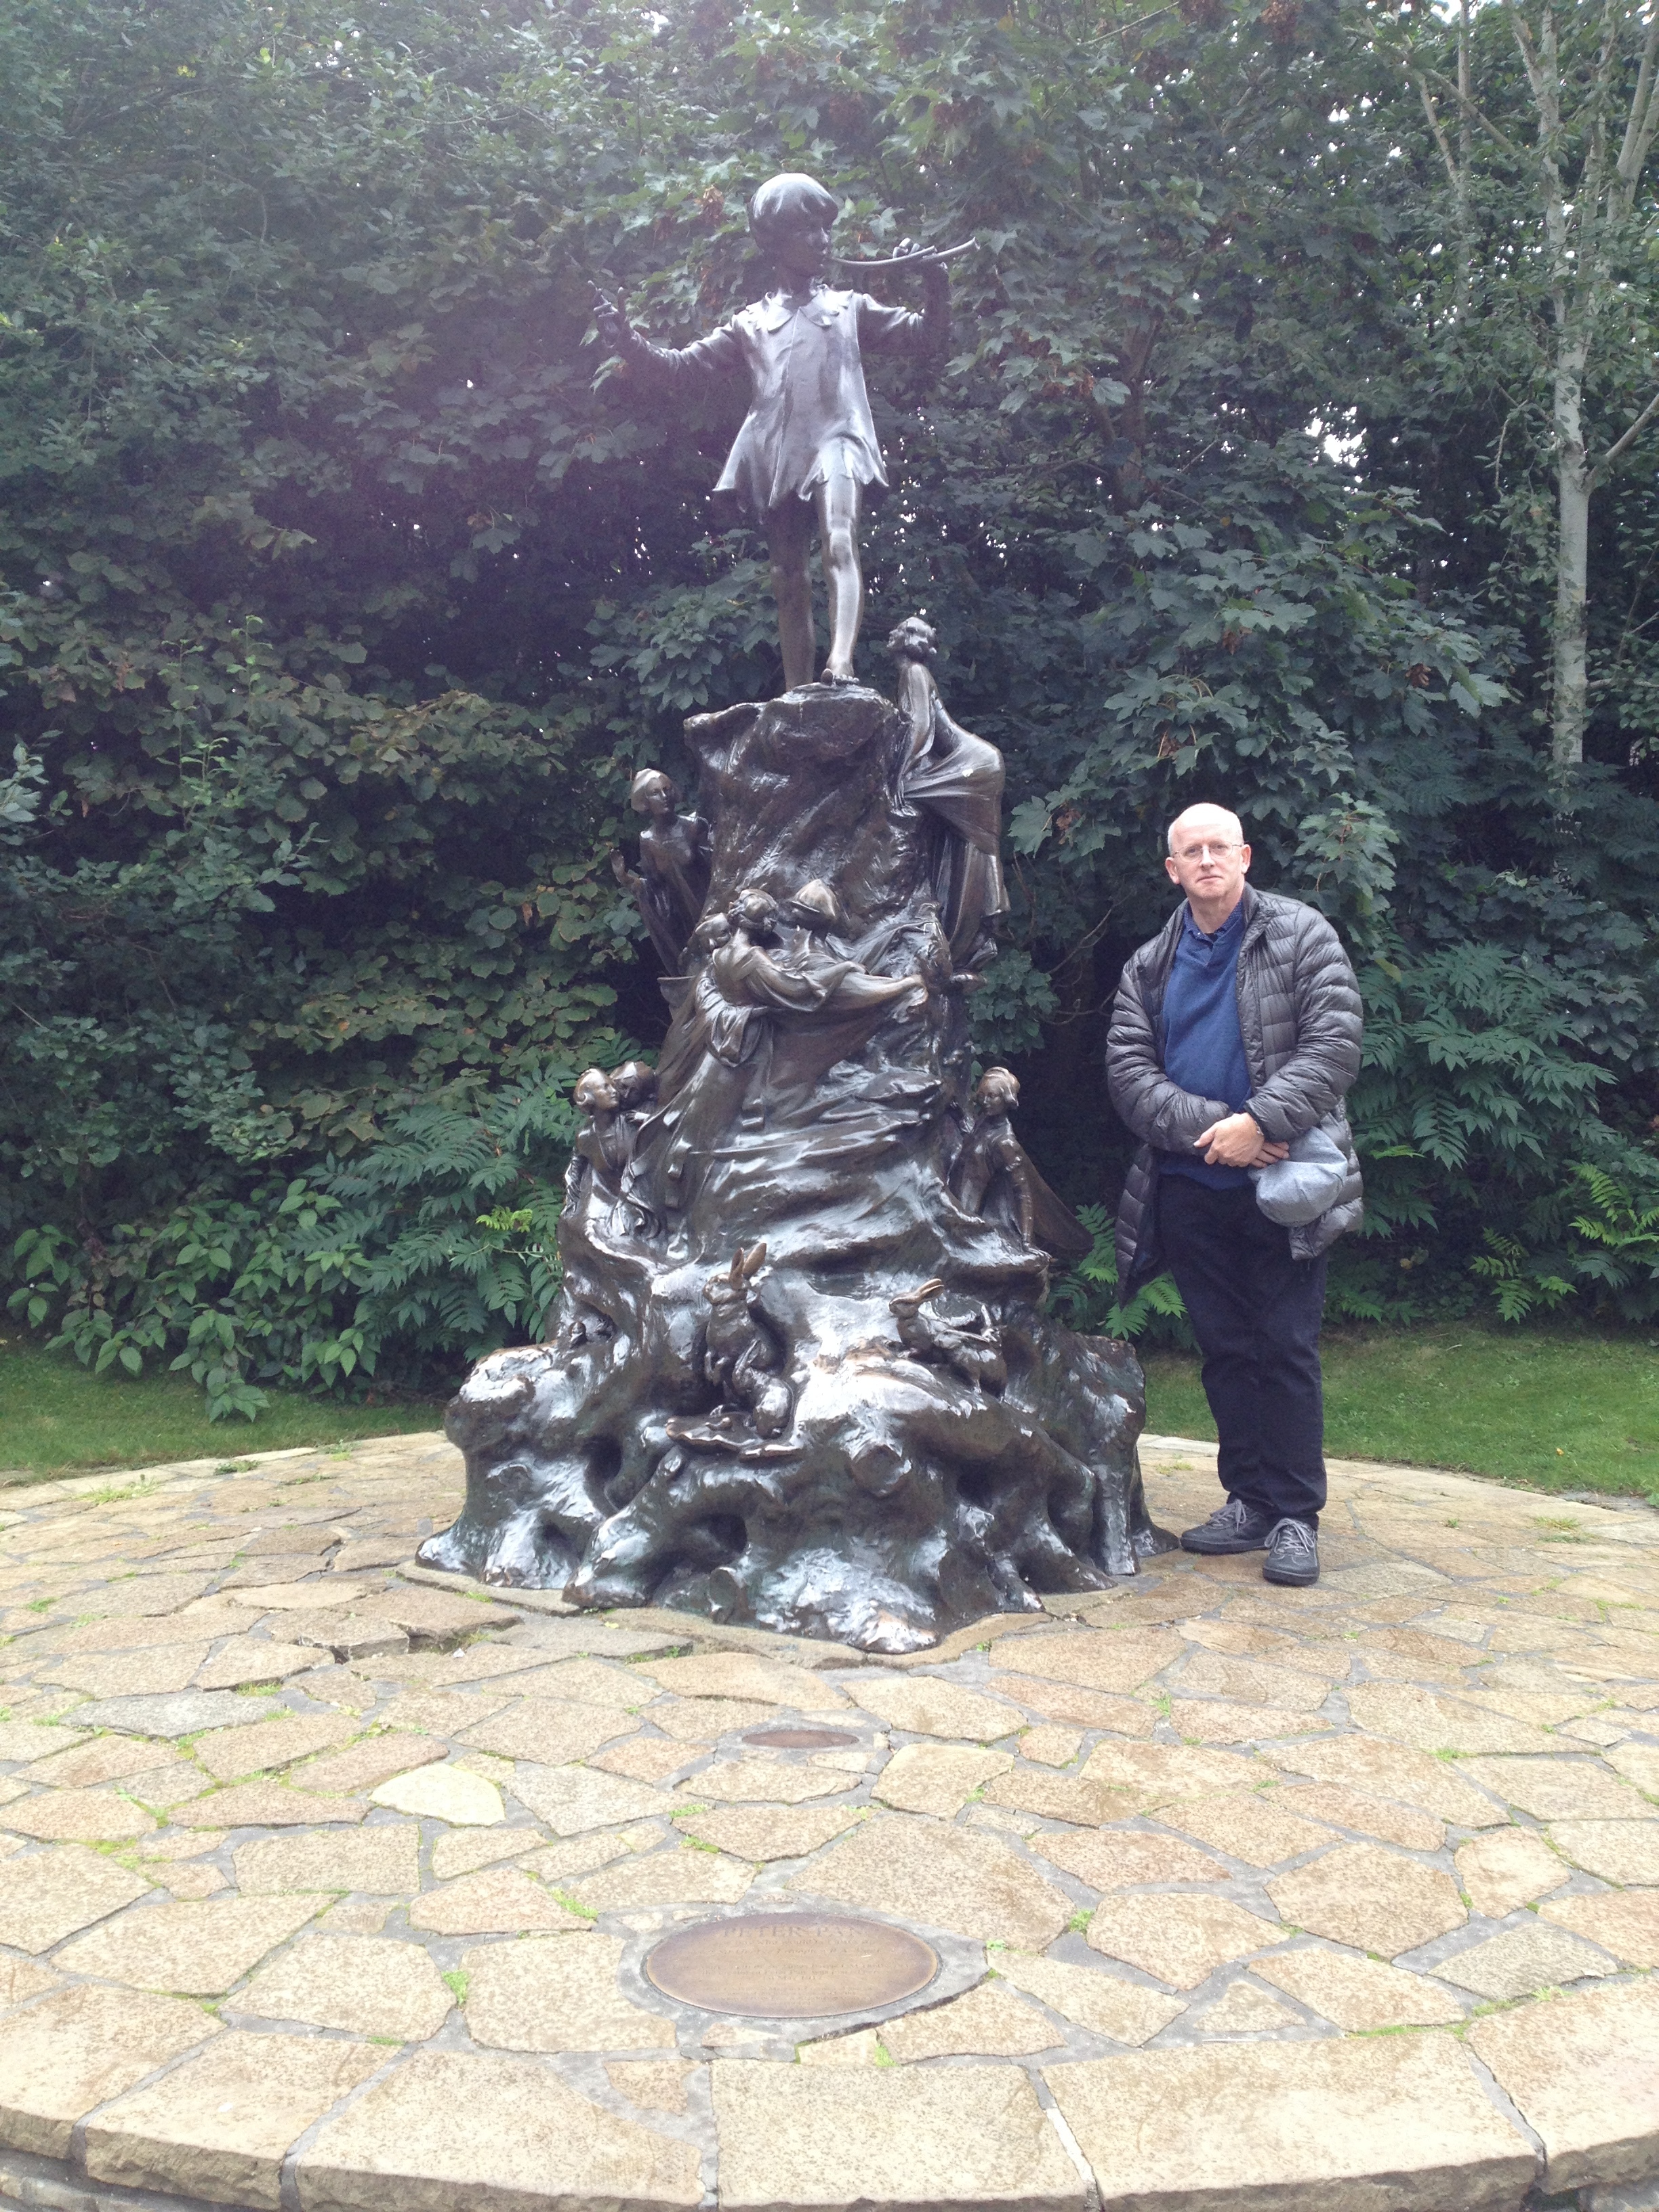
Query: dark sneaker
1236	1526
1293	1555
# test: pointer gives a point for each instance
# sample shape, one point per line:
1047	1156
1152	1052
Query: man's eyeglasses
1203	852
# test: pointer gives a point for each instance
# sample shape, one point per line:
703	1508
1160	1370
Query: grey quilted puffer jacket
1300	1015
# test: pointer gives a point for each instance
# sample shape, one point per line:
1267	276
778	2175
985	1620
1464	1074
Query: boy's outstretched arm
926	336
718	355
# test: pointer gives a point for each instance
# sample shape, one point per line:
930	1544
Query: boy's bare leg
789	543
837	502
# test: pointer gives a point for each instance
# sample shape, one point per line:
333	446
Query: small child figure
675	856
635	1086
991	1153
992	1176
808	443
599	1153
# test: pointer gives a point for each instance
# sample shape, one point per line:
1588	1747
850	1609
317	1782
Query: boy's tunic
808	416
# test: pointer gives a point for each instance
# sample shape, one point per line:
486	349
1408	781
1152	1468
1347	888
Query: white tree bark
1583	220
1569	674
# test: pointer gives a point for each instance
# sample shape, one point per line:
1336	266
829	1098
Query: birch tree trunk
1586	221
1582	224
1570	684
1571	247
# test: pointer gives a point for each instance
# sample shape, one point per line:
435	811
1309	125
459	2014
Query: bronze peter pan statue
807	451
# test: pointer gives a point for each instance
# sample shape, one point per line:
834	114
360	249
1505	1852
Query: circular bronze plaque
791	1965
801	1739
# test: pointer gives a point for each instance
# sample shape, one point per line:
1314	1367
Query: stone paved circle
326	1883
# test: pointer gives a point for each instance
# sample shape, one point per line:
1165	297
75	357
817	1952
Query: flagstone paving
327	1884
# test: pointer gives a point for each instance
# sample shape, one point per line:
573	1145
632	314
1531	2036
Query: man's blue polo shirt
1203	1050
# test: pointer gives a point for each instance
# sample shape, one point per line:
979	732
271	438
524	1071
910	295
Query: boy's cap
787	195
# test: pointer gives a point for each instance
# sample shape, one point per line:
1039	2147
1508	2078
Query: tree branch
1623	445
1541	89
1543	77
1122	30
1440	137
1605	61
1470	108
1643	119
1588	196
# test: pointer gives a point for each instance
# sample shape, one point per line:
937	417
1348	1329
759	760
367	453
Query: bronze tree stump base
803	1375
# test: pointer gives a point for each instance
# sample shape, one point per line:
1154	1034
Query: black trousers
1256	1312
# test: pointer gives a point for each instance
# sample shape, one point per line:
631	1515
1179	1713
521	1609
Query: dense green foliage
343	594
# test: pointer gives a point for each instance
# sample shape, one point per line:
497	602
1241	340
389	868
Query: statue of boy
807	448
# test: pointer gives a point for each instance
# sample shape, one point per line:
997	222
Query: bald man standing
1235	1031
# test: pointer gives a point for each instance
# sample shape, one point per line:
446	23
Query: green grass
57	1417
1556	1409
1552	1409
